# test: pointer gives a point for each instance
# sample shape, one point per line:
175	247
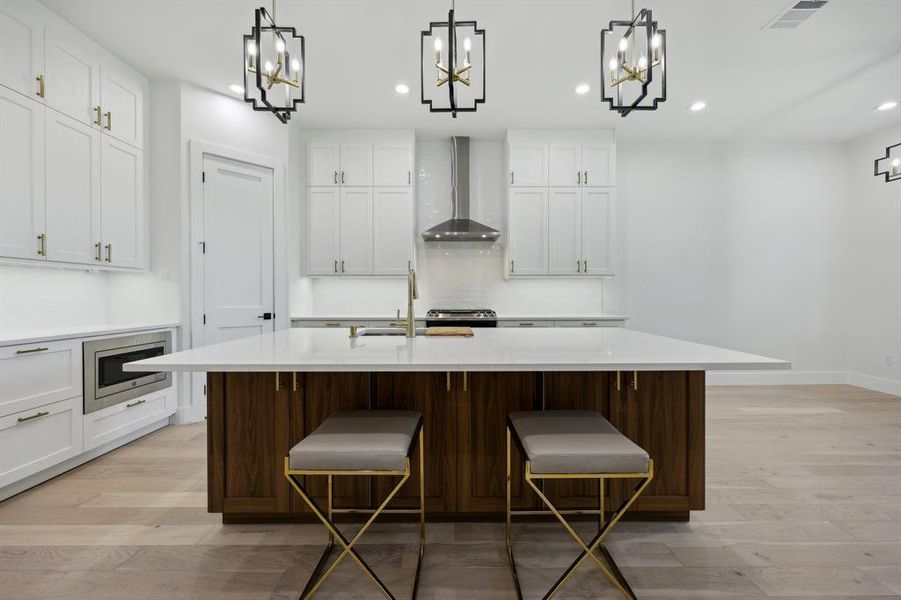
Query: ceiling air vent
796	14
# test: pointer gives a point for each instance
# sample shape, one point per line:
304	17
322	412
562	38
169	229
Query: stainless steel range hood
460	228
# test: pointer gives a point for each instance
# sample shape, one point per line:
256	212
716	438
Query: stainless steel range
106	384
461	317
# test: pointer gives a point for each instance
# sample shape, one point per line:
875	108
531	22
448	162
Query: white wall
873	283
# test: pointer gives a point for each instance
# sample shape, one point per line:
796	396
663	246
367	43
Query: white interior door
21	47
356	231
563	230
73	75
597	230
121	203
73	189
238	287
21	175
528	231
393	230
564	163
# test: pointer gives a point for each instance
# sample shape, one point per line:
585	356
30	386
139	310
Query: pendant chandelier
891	164
274	69
448	84
633	63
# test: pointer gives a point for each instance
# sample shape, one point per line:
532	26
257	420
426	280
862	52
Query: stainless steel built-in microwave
106	384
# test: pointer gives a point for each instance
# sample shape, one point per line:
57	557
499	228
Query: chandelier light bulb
467	44
279	45
251	49
267	67
655	40
295	65
438	45
896	162
623	44
643	63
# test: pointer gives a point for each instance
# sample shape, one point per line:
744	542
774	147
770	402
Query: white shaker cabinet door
356	164
21	47
527	237
597	231
21	176
528	165
122	204
563	231
73	190
322	164
72	83
323	222
393	230
122	104
393	165
356	231
564	165
598	165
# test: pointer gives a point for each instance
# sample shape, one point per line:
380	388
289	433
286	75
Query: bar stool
358	443
576	444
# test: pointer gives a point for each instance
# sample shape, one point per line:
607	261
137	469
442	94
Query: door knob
265	316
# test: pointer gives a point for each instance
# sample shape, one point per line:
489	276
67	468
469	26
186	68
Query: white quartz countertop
500	349
501	317
68	332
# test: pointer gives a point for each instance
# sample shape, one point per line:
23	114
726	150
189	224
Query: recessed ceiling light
238	89
699	105
402	88
890	104
582	89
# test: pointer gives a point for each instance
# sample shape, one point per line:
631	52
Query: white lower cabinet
39	438
114	422
37	374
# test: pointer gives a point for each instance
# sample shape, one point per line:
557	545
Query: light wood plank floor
804	497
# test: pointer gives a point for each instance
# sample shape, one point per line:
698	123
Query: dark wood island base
254	418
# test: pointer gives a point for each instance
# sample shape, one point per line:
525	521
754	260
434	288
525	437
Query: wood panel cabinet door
323	164
356	164
356	231
580	390
392	226
122	103
393	165
428	394
665	416
564	231
21	48
598	165
121	203
528	165
248	427
564	165
596	231
73	189
483	402
73	74
21	175
323	225
528	232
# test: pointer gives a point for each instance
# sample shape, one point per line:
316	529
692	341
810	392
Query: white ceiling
820	81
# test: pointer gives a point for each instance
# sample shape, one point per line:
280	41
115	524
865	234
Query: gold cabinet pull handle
526	324
448	381
336	265
294	381
585	266
578	266
635	380
512	266
109	252
97	252
586	177
619	381
579	177
135	403
589	324
342	266
38	415
409	178
98	122
277	385
342	176
465	381
42	248
31	350
333	324
109	120
336	177
41	82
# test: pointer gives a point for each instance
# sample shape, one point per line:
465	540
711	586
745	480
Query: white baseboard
51	472
887	386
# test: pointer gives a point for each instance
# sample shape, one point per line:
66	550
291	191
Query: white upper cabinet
21	48
122	203
596	231
598	165
356	231
73	190
122	104
392	230
528	164
72	79
564	165
356	164
323	219
393	165
323	164
564	249
527	237
21	176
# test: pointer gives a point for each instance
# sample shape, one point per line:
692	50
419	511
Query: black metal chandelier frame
891	173
644	20
451	25
264	24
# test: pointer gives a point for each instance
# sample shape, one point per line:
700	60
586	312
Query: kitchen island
266	392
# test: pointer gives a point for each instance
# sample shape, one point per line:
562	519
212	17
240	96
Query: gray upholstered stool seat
576	441
358	441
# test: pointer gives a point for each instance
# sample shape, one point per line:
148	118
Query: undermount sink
381	331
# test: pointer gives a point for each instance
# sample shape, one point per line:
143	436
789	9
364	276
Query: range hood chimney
460	228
